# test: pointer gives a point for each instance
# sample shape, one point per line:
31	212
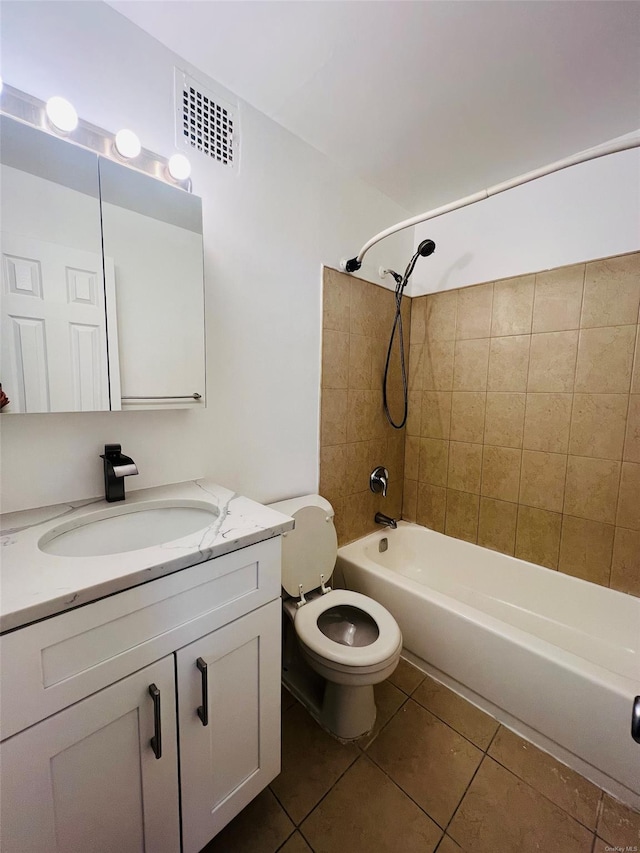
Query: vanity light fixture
179	167
127	144
57	116
61	114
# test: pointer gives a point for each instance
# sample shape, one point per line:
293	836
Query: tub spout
381	518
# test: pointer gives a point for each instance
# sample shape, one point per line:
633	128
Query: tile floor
435	774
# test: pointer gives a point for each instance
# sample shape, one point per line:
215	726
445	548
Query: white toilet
336	643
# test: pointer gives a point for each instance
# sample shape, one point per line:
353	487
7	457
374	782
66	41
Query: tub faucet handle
323	588
379	480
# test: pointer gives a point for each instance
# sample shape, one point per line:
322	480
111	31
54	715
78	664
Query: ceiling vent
205	121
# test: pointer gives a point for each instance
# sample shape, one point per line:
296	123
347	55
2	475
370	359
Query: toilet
336	643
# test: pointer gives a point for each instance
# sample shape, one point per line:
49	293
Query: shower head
426	248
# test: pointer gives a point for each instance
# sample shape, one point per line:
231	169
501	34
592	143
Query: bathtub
552	657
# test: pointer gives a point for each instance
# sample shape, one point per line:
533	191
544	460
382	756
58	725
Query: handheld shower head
426	248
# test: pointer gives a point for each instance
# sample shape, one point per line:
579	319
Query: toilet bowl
337	643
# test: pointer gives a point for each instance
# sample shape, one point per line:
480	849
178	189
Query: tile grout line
464	793
485	754
404	793
522	449
456	730
400	788
288	838
573	398
542	794
364	750
325	795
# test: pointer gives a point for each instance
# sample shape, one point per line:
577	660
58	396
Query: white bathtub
553	657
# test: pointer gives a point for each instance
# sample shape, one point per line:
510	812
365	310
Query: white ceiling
427	101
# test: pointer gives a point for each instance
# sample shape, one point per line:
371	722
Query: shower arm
354	264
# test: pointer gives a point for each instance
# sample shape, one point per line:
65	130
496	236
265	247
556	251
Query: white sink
128	528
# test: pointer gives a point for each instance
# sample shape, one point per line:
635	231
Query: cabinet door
87	779
227	762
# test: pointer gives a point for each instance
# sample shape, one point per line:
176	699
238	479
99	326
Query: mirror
53	355
152	243
102	282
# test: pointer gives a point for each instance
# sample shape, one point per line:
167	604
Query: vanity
140	691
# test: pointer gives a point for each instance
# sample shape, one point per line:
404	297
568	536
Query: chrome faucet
117	466
381	518
379	480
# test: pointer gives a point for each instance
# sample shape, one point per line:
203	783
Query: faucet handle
121	465
379	480
116	467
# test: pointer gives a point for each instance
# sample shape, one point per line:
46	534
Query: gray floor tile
312	761
366	812
388	700
501	812
261	827
406	676
461	715
427	759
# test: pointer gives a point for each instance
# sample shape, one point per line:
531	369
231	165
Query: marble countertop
34	584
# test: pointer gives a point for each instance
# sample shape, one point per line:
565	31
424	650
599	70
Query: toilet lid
387	643
309	550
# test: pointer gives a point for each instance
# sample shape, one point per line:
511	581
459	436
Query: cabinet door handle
203	710
156	740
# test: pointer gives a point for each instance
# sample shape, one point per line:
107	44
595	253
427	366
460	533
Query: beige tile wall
524	427
354	434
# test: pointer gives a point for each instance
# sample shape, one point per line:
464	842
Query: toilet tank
311	548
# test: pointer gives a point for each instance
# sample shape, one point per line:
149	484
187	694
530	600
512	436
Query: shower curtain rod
354	264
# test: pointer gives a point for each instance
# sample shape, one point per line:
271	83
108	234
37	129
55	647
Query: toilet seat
387	644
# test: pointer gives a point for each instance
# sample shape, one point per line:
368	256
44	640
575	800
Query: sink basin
127	528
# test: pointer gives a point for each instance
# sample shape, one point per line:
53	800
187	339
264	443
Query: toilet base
345	711
348	712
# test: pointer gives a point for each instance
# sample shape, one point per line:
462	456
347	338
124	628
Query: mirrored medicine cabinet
101	282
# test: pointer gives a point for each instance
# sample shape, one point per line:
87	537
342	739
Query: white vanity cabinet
78	765
87	779
236	692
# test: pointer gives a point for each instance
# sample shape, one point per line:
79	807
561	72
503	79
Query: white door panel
54	337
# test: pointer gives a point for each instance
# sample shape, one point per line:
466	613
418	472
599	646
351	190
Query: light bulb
127	144
179	167
61	114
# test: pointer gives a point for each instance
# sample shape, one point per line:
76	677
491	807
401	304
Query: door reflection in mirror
53	321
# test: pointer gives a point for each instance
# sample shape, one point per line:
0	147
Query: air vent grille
204	121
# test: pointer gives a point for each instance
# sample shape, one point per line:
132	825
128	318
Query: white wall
268	230
584	212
